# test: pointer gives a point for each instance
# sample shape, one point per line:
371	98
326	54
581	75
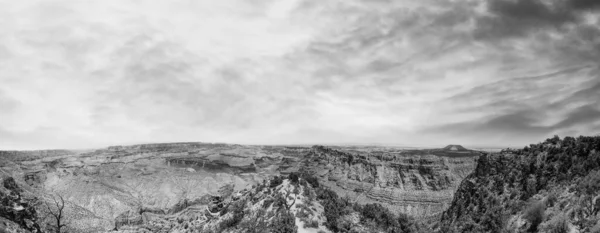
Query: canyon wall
122	185
417	185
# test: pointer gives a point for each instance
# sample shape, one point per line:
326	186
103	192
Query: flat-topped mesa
161	147
455	148
32	154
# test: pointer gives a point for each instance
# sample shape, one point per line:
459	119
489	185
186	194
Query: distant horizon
399	145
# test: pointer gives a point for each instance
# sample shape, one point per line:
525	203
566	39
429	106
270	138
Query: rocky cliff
17	208
417	185
552	186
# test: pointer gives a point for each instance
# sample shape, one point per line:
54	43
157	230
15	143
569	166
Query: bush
312	224
284	222
595	228
276	181
384	218
535	215
589	184
313	181
551	198
267	202
558	224
256	223
302	214
293	178
237	210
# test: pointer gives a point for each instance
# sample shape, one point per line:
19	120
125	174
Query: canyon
127	186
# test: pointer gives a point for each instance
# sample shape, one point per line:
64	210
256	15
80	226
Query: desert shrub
256	223
310	196
305	190
535	215
333	207
267	203
589	184
293	178
237	210
384	218
284	222
558	224
424	170
551	198
276	181
312	224
280	201
595	228
302	214
313	181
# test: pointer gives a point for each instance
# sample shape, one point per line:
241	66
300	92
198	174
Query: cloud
510	18
497	72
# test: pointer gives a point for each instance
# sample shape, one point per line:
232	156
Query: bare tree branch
57	214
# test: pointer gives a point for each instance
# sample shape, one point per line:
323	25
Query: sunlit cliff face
85	74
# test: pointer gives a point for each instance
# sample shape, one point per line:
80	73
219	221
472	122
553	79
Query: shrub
535	215
312	224
256	223
551	198
313	181
293	178
284	222
276	181
558	224
589	184
267	202
237	210
302	214
595	228
384	218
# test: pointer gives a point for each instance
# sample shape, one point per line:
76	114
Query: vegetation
535	215
276	181
16	208
284	222
502	184
558	224
372	216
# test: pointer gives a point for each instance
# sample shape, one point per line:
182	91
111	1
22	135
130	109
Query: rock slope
282	204
417	185
552	186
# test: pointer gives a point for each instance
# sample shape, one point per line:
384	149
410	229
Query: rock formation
417	185
125	186
553	186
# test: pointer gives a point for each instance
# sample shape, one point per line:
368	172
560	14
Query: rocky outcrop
546	187
418	185
14	207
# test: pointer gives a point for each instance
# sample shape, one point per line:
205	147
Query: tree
293	178
284	222
57	212
282	201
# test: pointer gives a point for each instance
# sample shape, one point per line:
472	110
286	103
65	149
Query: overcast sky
82	74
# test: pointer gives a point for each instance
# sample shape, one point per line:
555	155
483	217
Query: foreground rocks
17	212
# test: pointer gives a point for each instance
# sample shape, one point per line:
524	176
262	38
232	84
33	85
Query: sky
88	74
